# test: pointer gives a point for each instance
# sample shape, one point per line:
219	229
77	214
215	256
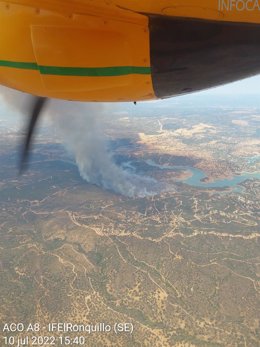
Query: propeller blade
37	106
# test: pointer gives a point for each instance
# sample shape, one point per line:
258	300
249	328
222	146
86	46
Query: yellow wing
125	50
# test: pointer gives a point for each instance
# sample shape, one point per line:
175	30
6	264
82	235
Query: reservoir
198	175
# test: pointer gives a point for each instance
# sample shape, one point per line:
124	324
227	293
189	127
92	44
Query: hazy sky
247	86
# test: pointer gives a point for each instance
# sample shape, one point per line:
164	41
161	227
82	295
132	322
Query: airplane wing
125	50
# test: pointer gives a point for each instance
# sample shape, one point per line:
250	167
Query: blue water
198	175
254	159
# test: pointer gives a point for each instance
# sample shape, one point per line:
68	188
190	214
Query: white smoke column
81	127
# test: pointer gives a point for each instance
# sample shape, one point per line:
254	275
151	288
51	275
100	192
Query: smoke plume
80	126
